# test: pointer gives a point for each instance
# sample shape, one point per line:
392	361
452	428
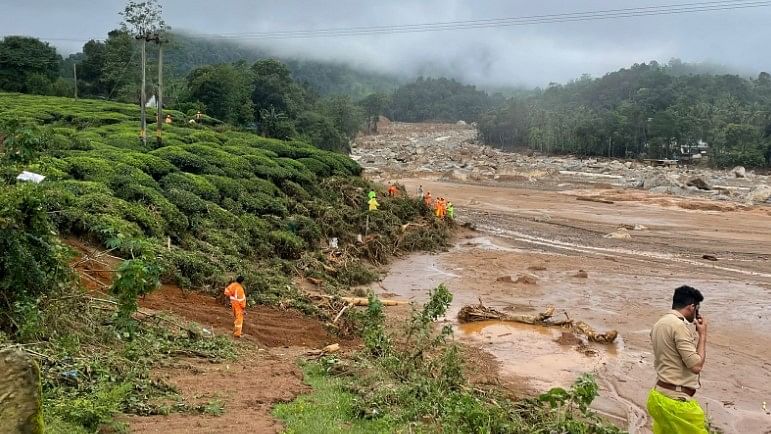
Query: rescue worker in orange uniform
238	302
428	200
440	210
392	190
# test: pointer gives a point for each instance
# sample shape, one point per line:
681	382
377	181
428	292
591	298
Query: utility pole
159	122
143	96
75	75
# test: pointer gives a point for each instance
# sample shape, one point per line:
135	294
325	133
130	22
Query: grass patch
330	408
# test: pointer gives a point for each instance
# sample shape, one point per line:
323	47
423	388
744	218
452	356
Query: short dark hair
240	279
686	295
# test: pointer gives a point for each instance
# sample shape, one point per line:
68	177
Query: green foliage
286	244
224	91
21	144
414	381
435	99
33	261
135	278
27	65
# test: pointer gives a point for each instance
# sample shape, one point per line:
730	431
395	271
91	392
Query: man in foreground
238	302
678	359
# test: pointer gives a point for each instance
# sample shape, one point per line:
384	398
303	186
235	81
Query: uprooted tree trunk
481	312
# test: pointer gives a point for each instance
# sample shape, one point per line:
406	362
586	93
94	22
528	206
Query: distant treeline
648	110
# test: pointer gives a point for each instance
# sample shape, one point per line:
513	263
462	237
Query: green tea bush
286	244
183	160
196	184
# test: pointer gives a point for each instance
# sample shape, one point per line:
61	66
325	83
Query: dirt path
551	235
264	374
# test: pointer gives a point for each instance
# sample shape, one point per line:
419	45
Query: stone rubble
451	152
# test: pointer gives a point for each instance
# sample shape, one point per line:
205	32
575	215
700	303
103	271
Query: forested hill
646	110
185	53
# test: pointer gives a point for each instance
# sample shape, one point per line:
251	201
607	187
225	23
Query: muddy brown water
550	235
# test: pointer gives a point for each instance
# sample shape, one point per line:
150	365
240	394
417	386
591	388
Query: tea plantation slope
228	201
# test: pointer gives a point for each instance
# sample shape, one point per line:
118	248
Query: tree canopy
649	110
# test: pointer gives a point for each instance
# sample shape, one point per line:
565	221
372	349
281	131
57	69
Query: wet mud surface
626	285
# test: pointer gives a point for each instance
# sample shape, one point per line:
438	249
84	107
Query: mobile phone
696	313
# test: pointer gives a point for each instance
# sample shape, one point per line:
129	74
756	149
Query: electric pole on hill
159	112
144	19
142	95
75	76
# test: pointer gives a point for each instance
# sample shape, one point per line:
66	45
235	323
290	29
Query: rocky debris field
450	152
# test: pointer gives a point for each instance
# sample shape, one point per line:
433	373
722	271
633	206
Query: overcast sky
527	55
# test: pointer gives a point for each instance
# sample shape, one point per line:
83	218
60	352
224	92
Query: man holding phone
679	357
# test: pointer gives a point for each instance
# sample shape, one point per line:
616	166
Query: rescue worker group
679	341
235	291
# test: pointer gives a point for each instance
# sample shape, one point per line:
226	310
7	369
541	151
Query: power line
594	15
674	9
493	20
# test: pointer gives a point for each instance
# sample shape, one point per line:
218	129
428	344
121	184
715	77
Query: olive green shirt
674	351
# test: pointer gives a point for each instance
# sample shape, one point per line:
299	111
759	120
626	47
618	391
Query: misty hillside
185	53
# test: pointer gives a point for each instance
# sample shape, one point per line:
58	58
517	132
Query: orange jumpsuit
440	208
392	191
238	302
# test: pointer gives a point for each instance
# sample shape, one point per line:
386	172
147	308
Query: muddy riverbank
628	283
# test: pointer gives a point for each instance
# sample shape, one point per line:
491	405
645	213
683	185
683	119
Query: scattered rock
568	338
505	279
639	228
329	349
739	172
537	268
581	274
620	234
21	398
461	123
698	183
709	257
527	279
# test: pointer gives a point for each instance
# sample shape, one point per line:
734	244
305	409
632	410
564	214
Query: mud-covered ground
546	231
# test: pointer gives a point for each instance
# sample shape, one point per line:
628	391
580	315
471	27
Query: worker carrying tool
238	302
679	360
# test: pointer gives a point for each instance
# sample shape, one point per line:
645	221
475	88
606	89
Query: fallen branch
339	314
481	312
357	301
594	199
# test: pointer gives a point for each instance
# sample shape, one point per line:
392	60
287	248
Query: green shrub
33	262
183	160
286	244
196	184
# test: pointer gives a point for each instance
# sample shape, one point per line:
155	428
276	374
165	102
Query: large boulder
21	396
661	180
739	172
699	183
759	194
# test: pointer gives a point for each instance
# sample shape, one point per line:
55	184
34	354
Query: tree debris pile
480	312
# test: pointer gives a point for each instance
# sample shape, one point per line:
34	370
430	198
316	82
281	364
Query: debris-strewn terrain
450	152
601	250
